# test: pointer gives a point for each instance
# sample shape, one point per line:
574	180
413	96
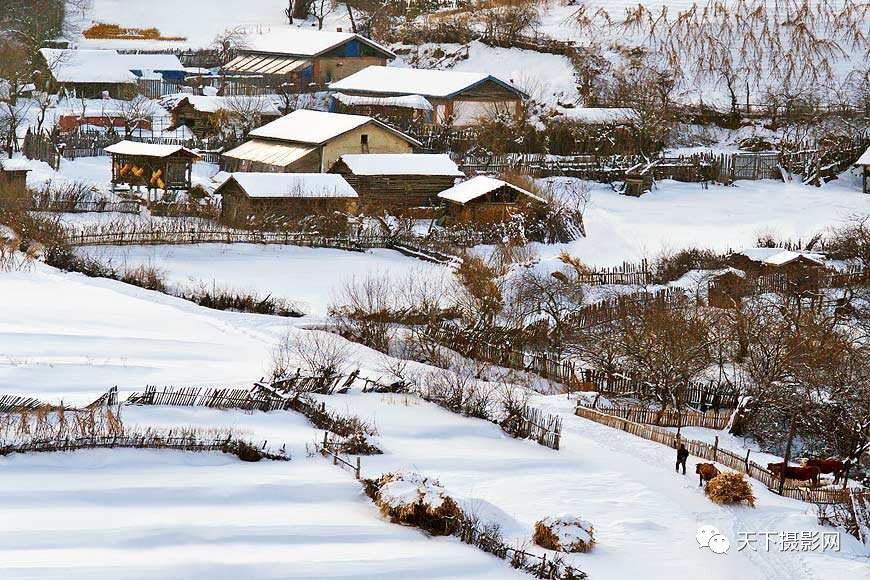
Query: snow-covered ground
309	277
678	215
149	514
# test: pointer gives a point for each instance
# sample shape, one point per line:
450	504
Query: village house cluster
355	125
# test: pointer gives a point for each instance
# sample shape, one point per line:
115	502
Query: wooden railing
664	418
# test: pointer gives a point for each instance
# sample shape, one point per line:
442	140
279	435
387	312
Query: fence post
715	447
746	461
357	467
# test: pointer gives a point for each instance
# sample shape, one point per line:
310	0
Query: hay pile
728	488
564	533
409	498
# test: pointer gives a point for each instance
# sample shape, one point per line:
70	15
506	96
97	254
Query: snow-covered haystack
730	487
410	498
564	533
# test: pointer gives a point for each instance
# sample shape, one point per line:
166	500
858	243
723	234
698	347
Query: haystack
410	498
728	488
564	533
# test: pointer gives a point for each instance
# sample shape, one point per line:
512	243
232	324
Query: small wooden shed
398	180
726	288
250	197
13	174
864	163
485	199
166	167
203	114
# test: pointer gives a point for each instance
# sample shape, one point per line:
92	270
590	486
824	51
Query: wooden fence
37	146
330	448
147	440
18	404
82	206
688	417
737	462
611	309
169	237
245	399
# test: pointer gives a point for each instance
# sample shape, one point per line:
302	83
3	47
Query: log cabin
276	197
484	199
398	180
289	54
459	99
308	141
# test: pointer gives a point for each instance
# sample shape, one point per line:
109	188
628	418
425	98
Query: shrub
564	533
727	488
412	499
672	265
148	277
244	451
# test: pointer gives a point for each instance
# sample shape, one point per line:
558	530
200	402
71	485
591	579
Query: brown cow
706	472
834	466
796	473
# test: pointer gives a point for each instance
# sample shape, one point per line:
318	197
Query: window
364	143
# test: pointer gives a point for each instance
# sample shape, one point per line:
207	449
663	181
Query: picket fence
741	463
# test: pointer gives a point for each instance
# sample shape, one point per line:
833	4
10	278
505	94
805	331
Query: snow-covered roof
155	62
104	107
322	185
269	152
864	159
780	256
393	80
291	40
602	115
401	164
147	149
87	66
477	187
17	164
316	127
212	104
404	101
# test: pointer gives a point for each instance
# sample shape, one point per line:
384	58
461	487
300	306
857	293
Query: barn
457	98
146	65
292	54
203	114
398	180
485	199
275	197
308	141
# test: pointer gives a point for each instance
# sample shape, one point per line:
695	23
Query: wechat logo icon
710	537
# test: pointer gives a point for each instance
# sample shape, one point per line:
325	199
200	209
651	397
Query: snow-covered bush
730	487
410	498
564	533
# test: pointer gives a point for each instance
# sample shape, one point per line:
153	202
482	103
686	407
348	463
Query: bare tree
320	9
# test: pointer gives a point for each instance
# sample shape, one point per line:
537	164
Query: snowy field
679	215
149	514
308	277
69	337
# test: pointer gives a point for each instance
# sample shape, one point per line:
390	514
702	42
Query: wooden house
460	99
398	180
13	174
402	111
164	167
308	141
250	197
167	67
864	164
204	114
288	54
89	73
485	199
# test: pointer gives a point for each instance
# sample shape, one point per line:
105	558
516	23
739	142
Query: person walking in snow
682	456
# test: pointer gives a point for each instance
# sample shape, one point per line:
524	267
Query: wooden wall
380	140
